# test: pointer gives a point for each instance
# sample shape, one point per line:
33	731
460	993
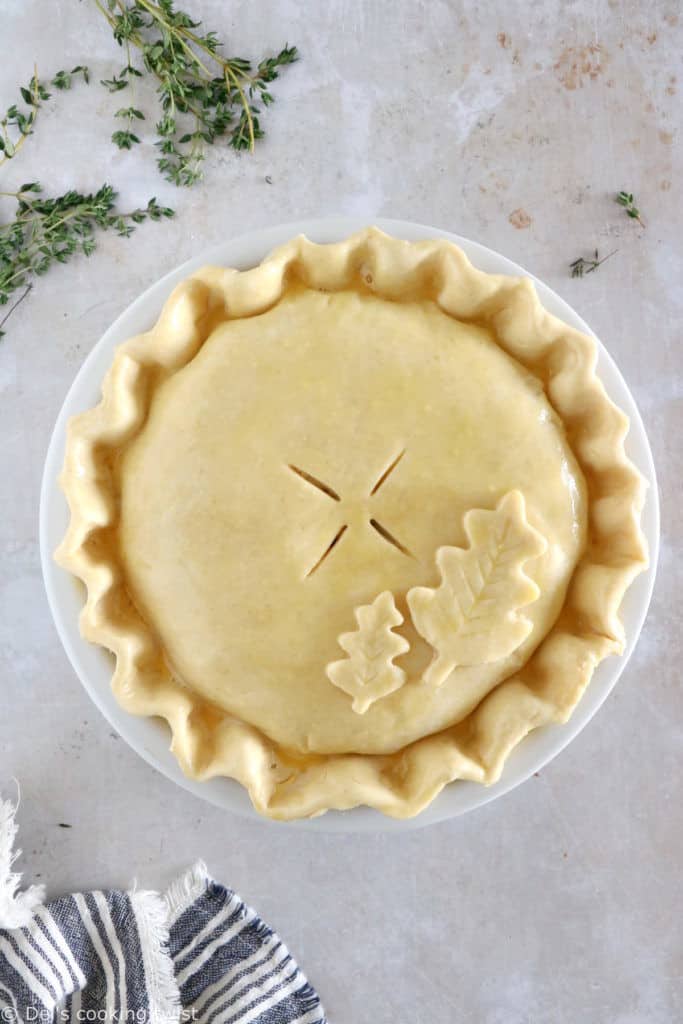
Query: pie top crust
353	522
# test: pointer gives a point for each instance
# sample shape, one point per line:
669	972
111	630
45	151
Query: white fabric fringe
16	908
184	891
151	914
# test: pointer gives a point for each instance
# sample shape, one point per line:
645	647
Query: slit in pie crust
353	522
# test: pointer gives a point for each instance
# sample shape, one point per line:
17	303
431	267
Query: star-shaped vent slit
330	492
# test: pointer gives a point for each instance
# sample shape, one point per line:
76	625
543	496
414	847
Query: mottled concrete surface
512	123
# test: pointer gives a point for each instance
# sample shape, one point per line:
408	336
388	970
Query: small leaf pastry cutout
473	617
369	673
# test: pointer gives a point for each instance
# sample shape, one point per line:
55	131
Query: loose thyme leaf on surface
17	124
584	266
203	95
63	79
627	200
48	231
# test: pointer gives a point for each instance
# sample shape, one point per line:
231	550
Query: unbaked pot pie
353	522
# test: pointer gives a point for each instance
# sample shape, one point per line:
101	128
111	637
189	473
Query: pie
353	522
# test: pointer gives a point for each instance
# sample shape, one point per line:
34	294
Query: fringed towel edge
16	908
154	915
151	915
184	891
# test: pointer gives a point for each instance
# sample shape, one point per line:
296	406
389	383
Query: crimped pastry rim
401	784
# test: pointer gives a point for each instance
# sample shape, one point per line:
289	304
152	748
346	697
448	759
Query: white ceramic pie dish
150	737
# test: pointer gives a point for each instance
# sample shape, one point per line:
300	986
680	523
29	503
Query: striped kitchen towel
197	953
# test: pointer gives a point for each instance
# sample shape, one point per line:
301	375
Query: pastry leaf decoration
369	673
472	617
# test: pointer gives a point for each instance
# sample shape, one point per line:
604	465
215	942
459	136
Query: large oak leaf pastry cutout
472	617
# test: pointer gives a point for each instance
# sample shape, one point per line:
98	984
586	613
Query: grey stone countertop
512	123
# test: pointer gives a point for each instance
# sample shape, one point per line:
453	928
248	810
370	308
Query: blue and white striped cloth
197	953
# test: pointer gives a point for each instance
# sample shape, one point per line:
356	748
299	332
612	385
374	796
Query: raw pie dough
353	522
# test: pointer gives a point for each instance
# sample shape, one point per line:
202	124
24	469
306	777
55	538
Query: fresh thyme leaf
626	199
125	139
114	84
63	79
48	231
583	266
130	113
203	95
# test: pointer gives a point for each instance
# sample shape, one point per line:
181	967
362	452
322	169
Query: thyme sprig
627	200
17	123
48	231
203	95
583	266
126	138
